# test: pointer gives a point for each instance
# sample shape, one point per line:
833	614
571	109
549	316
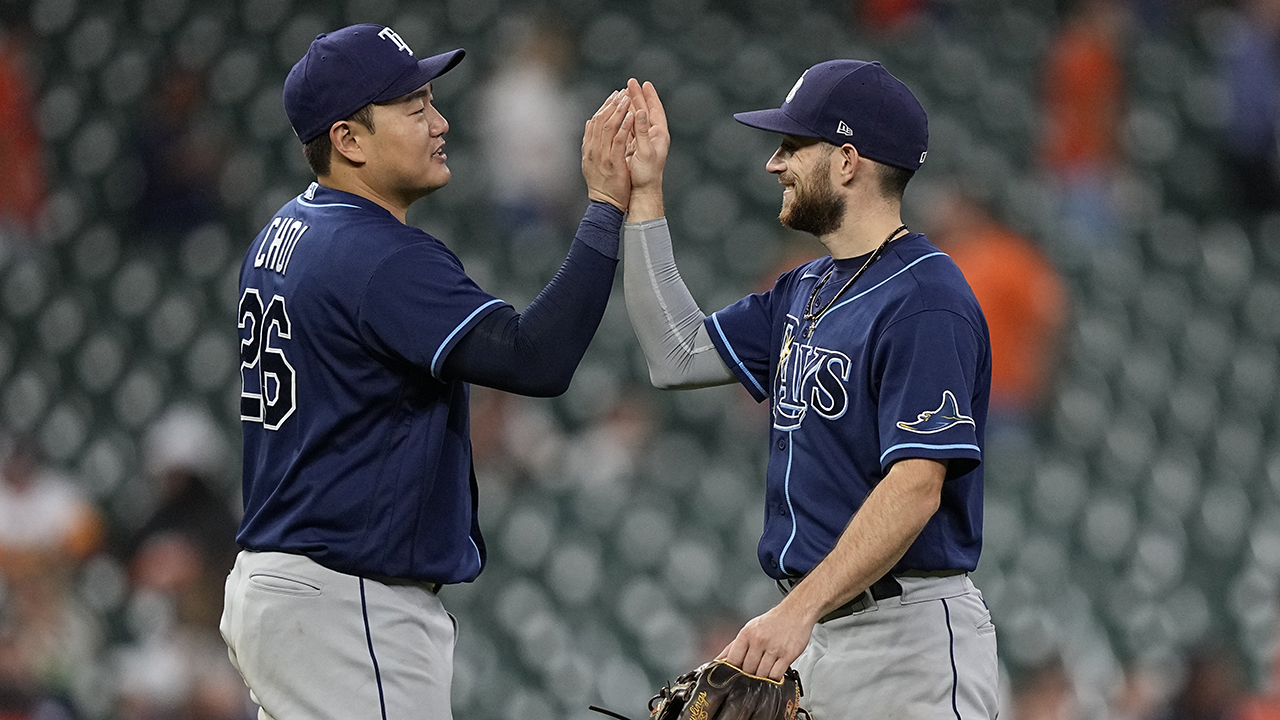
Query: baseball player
876	364
359	336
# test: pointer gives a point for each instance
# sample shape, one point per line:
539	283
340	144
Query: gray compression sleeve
665	316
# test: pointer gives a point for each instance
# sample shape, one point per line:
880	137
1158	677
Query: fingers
591	133
606	124
658	115
636	93
734	653
605	105
621	104
777	672
622	135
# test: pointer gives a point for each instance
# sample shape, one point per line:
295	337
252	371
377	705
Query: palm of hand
650	141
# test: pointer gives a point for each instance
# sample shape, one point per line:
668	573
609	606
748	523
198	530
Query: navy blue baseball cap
856	102
349	68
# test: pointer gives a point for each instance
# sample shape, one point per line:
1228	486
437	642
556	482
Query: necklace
811	313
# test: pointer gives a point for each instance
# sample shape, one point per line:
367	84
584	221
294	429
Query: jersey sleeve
420	302
742	334
925	370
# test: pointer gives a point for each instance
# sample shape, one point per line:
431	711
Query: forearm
666	318
875	539
536	352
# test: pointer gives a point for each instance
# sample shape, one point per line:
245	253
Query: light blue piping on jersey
786	490
304	202
734	355
923	446
873	287
443	345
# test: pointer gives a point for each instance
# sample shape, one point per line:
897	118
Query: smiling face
809	200
405	156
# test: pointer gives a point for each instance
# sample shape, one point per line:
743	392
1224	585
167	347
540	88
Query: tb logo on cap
389	34
795	87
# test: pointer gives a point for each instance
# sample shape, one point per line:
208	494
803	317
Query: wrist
803	604
646	204
601	197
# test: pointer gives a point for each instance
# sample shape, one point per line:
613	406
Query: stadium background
1133	519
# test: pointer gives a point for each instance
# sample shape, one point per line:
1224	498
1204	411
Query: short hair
893	181
319	151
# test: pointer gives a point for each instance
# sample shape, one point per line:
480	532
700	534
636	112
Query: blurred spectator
1044	692
46	523
889	16
1211	689
1084	96
22	185
1142	690
178	561
1021	294
606	453
182	147
1264	705
513	438
1251	69
47	527
186	547
532	127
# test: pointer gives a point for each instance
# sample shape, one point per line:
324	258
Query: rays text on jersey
809	376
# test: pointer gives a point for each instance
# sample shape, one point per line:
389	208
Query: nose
775	164
439	125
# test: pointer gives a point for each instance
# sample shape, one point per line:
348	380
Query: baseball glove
720	691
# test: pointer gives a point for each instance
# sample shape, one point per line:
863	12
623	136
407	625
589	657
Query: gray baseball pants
927	655
315	644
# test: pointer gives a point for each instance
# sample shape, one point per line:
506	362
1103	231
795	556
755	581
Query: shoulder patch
946	416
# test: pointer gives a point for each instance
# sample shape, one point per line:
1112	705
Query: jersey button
773	562
782	509
782	443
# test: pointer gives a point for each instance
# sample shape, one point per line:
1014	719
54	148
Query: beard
815	207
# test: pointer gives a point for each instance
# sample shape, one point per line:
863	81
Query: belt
886	587
882	589
431	587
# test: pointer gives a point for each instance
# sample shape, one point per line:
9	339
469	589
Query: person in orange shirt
1083	100
1021	294
22	187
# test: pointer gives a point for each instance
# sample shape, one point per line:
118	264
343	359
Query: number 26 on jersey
269	392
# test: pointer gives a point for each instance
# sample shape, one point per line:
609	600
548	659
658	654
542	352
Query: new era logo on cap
844	129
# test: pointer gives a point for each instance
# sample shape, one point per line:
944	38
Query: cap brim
774	120
428	69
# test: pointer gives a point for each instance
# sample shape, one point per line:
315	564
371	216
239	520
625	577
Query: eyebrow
795	142
424	92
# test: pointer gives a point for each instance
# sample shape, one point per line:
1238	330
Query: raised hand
604	151
652	139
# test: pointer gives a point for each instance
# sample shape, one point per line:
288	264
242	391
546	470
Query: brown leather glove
720	691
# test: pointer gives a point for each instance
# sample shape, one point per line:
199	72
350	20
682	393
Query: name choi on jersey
284	234
809	376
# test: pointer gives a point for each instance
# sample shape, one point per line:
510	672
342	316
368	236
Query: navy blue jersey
356	453
899	367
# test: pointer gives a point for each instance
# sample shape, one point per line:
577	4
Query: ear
346	138
844	163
